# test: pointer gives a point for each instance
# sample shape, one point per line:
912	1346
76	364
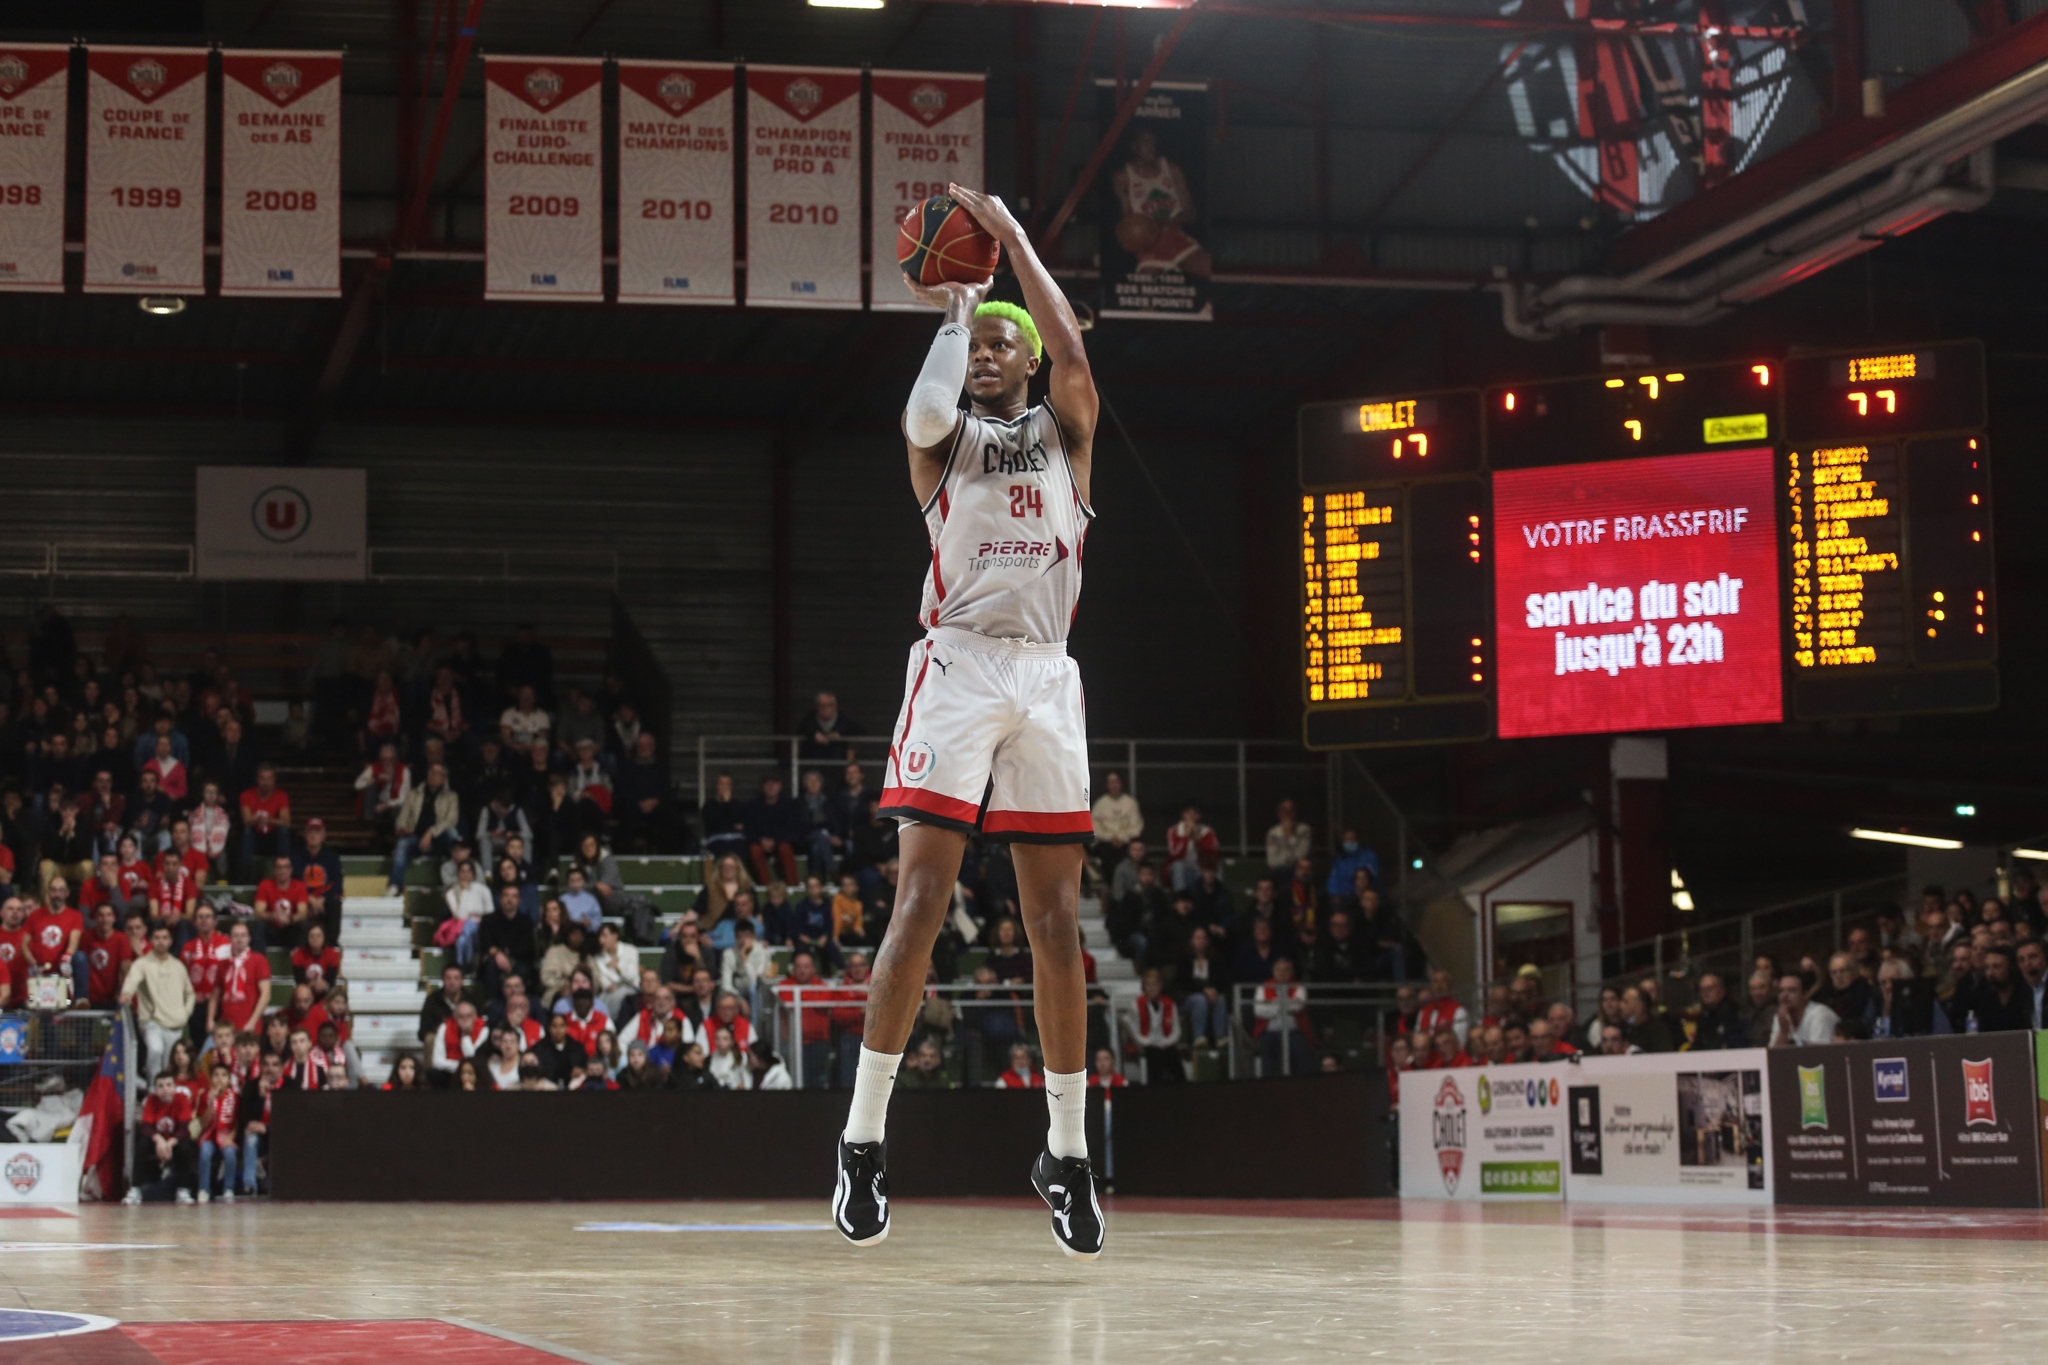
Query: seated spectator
690	1071
382	787
150	810
1280	1020
405	1074
316	964
1203	980
501	1066
440	1006
670	1044
506	945
924	1067
1640	1024
523	725
878	897
645	801
166	1160
590	785
427	824
593	1079
1287	842
319	867
616	968
457	1040
1009	956
637	1074
1716	1023
1021	1074
468	1078
66	847
517	1018
746	966
813	1020
182	852
1123	876
344	1063
2002	1001
810	920
216	1123
728	1065
1105	1076
822	734
645	1025
1258	954
108	887
1133	916
562	960
1846	992
1442	1009
1800	1020
579	903
1116	819
266	819
283	905
814	825
206	950
724	819
1191	847
210	823
1158	1031
769	1073
771	826
1339	958
469	902
306	1067
587	1020
849	913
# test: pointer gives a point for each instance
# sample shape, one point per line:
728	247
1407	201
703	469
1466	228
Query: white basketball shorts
993	737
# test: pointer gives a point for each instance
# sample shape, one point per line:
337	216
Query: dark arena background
1566	599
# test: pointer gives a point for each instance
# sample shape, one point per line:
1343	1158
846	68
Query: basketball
1135	232
939	242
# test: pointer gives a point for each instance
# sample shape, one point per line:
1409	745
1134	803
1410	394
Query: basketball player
992	736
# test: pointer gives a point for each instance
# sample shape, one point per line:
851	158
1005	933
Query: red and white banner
803	187
145	170
35	90
280	173
927	131
675	182
543	178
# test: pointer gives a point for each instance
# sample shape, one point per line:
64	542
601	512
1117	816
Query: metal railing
1341	1018
792	1002
385	564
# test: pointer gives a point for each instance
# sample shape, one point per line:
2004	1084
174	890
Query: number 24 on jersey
1026	501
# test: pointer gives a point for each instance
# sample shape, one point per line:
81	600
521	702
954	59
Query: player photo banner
803	187
1155	205
675	182
926	130
280	173
35	89
145	170
543	178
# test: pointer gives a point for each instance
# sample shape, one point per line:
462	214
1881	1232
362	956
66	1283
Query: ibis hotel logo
804	95
281	80
281	514
928	101
13	73
148	76
23	1171
676	90
1978	1107
543	86
1447	1129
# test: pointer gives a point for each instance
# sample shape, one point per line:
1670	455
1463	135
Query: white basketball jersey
1006	528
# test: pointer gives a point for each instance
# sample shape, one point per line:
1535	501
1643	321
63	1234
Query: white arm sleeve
934	406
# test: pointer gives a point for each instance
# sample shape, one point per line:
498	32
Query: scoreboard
1736	543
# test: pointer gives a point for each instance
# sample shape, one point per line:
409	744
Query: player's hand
957	301
989	211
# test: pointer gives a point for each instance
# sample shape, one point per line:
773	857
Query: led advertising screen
1637	594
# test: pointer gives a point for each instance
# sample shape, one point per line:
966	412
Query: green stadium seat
432	961
280	963
966	964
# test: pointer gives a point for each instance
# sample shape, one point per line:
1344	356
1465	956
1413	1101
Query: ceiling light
2039	855
1966	810
1885	836
846	4
163	305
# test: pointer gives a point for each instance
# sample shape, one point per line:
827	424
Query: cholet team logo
543	86
1447	1130
281	514
23	1171
13	73
281	80
804	96
676	90
148	75
928	101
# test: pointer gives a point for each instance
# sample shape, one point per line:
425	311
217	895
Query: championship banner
543	178
803	187
926	131
1669	1128
1155	205
1492	1133
1904	1121
675	182
35	90
145	170
280	173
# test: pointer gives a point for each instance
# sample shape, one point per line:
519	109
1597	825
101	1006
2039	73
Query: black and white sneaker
860	1199
1067	1185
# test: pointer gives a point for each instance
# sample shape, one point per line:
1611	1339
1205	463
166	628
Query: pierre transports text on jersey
1006	528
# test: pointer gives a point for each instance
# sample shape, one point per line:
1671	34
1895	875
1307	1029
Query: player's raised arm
933	413
1072	385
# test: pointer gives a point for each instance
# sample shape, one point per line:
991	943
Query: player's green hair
1010	312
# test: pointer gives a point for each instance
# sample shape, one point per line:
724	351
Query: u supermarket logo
918	761
281	514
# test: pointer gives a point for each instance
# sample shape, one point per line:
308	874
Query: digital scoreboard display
1686	545
1637	594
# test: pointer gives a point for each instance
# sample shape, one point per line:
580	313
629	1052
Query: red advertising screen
1637	594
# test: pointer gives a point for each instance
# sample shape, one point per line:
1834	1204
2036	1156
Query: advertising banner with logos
280	173
35	104
281	523
1911	1121
40	1172
1488	1133
675	182
544	178
1669	1128
926	132
145	170
803	187
1155	205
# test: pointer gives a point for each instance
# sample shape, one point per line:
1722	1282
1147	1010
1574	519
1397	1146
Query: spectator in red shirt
1105	1075
205	952
242	989
182	853
1022	1075
305	1012
166	1160
174	898
136	874
16	963
519	1019
849	1021
1191	848
217	1133
316	964
587	1018
1442	1009
283	905
54	930
107	955
817	1022
266	818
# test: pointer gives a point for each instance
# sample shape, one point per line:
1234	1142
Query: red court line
32	1211
321	1343
2008	1225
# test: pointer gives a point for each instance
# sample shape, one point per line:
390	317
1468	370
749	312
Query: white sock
1066	1099
873	1081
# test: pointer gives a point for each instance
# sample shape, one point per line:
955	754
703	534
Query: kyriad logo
281	514
677	90
1888	1079
1978	1106
1447	1130
23	1171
